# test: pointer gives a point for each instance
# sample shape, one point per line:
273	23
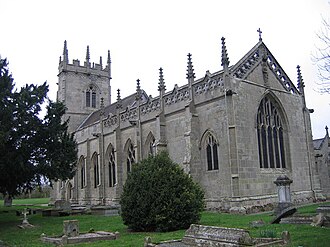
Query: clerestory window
270	135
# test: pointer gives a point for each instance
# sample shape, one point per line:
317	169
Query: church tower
81	87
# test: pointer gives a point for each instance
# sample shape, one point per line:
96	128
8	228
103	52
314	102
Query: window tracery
270	135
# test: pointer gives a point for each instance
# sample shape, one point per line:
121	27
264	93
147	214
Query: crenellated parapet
87	67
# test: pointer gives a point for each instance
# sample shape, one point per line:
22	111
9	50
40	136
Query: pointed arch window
95	163
112	168
270	135
90	97
82	167
150	145
130	157
212	153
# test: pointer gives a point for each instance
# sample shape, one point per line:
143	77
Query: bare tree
322	58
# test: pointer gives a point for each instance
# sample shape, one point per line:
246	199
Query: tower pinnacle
65	53
87	55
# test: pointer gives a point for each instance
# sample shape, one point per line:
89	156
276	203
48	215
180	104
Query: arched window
270	135
90	97
82	168
212	153
150	145
95	164
130	156
112	167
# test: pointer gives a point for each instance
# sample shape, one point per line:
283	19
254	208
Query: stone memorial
71	228
213	236
63	205
284	207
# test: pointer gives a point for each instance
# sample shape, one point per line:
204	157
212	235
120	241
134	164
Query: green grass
301	235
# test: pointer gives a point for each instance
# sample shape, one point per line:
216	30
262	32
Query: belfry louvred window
212	153
270	135
90	97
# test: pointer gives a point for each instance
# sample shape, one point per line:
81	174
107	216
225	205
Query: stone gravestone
284	207
71	228
62	204
8	201
204	236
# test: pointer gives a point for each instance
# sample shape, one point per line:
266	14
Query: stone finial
101	62
190	69
102	107
87	54
118	98
161	83
109	58
326	130
109	64
138	90
65	52
224	55
301	84
260	32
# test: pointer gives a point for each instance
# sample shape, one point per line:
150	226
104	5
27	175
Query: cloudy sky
143	35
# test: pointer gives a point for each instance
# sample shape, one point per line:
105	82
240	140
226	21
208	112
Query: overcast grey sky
143	35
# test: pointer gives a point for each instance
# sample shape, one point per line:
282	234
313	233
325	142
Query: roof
128	102
318	143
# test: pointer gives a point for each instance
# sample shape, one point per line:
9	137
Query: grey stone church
234	131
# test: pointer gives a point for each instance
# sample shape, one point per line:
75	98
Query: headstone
199	235
8	201
62	204
284	194
25	212
284	207
71	228
318	220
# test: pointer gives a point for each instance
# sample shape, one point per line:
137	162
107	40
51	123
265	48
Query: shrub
159	196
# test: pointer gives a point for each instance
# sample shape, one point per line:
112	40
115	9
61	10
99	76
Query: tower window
90	97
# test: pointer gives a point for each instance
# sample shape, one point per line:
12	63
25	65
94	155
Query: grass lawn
301	235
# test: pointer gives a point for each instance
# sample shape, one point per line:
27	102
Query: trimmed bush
159	196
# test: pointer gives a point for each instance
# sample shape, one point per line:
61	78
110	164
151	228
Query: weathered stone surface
284	213
71	228
200	235
62	204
